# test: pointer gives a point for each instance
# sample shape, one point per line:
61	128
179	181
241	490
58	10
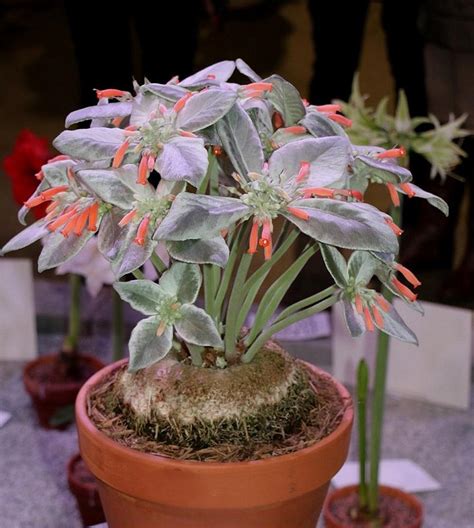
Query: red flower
29	153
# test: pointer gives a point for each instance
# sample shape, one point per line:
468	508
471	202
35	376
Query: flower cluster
240	168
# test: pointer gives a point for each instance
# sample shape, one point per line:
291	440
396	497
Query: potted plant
368	503
210	423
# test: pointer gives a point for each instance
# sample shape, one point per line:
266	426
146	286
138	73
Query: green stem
196	354
138	274
117	327
160	266
71	341
235	302
362	389
292	308
281	325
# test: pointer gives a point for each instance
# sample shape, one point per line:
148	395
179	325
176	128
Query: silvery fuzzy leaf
328	158
362	266
281	137
197	327
103	111
367	150
205	108
354	321
183	280
142	295
131	256
388	172
260	117
336	264
286	99
240	140
246	70
144	104
219	72
212	251
396	327
169	92
27	236
183	159
110	234
319	125
58	249
55	174
345	225
90	144
23	212
145	346
107	185
194	216
432	199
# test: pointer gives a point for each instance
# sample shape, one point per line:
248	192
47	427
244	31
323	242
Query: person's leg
167	34
338	29
101	38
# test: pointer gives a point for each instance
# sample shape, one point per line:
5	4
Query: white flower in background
90	264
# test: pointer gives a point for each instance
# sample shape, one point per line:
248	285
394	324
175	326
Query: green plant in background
232	160
376	126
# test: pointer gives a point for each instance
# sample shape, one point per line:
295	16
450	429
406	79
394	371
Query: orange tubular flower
142	231
277	121
409	275
393	194
110	92
368	320
359	304
320	192
296	129
185	133
128	218
329	108
253	240
377	316
266	239
179	105
143	170
299	213
303	172
392	153
81	222
406	292
120	154
93	213
406	187
62	219
69	227
117	121
393	226
383	303
342	120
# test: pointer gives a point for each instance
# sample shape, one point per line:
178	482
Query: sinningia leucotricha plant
242	168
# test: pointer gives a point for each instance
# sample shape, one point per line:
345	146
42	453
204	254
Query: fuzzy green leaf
319	125
195	216
58	249
336	264
432	199
354	321
104	111
107	184
197	327
142	295
395	326
205	109
386	171
212	251
26	237
183	280
246	70
286	99
362	266
215	74
145	346
90	144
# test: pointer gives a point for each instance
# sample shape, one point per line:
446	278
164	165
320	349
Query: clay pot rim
30	382
390	491
71	475
274	461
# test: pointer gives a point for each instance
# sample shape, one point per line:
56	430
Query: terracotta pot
48	397
149	491
411	501
84	487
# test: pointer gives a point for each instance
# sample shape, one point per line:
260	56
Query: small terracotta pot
411	501
150	491
50	396
85	490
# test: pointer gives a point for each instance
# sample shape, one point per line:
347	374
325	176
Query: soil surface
323	420
394	512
